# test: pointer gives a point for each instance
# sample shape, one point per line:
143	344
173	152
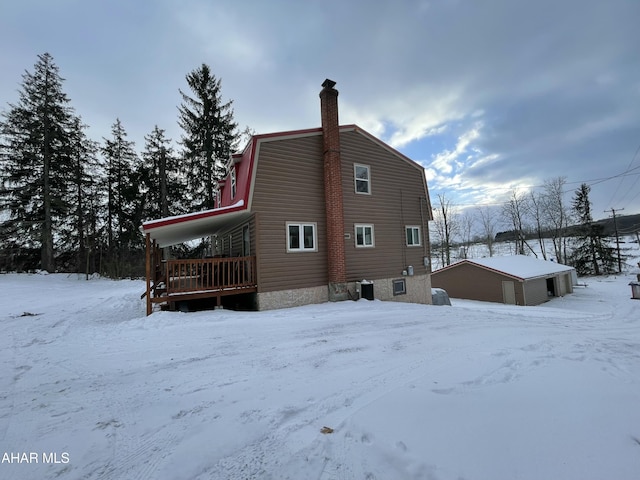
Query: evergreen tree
209	136
124	200
162	181
35	164
85	196
591	254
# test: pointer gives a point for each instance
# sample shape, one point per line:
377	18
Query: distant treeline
626	225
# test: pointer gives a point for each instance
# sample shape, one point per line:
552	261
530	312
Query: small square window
399	287
364	236
413	236
362	178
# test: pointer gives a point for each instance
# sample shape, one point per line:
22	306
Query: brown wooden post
148	271
167	278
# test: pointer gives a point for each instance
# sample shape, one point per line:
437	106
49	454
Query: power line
627	170
615	226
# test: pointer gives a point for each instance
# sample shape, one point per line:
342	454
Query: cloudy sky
489	96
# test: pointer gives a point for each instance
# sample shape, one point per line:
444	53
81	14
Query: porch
175	280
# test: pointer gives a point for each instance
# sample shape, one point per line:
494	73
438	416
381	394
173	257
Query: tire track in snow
133	455
8	397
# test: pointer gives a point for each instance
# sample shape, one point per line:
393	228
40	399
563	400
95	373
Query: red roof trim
288	133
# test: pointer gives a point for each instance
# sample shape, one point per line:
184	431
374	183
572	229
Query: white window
361	174
301	237
233	181
413	236
364	236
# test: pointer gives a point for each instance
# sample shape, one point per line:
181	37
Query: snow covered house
516	280
303	217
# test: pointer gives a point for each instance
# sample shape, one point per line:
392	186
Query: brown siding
289	188
474	283
236	234
397	190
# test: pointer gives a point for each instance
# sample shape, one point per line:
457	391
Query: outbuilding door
509	293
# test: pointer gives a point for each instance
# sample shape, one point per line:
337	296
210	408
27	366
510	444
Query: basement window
362	178
399	287
301	237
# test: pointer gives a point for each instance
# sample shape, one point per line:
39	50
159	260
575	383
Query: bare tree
556	215
535	206
489	224
466	222
514	212
446	227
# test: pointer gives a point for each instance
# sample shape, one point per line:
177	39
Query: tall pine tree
591	255
35	163
162	181
209	136
124	200
84	196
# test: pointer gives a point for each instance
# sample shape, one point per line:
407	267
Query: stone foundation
292	298
418	289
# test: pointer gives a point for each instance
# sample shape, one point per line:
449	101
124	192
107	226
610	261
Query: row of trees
533	216
70	203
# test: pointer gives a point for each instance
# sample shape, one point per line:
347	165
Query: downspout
425	238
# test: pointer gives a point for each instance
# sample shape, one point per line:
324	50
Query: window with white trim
413	236
301	237
233	181
364	236
362	178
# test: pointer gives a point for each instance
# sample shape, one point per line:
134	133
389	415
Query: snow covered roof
521	267
181	228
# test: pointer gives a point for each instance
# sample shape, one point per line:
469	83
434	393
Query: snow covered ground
92	389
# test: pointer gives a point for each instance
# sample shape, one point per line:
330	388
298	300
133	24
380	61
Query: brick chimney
336	266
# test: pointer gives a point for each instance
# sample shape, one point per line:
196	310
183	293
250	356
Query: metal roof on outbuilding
520	267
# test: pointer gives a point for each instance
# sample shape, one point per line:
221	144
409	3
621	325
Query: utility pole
615	226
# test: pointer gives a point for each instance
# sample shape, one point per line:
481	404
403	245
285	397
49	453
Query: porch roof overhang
182	228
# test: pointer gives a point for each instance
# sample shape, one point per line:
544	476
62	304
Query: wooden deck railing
210	274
